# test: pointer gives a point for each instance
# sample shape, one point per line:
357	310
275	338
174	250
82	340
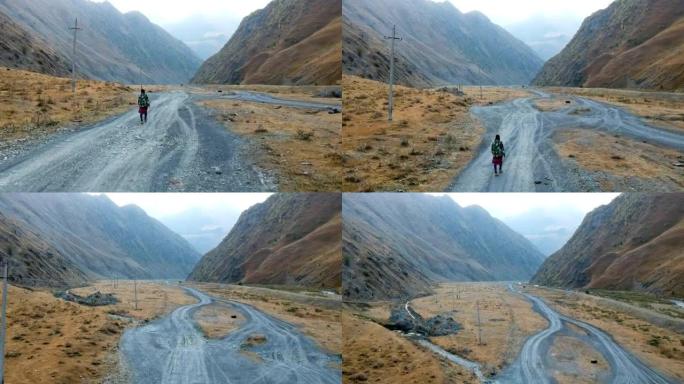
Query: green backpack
497	149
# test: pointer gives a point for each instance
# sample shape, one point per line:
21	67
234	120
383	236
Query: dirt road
534	360
181	148
173	350
531	163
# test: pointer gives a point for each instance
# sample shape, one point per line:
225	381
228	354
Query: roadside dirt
217	321
53	341
658	108
431	139
574	359
659	347
33	104
613	161
301	145
375	354
320	322
506	321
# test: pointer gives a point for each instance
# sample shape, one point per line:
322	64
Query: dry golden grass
619	156
507	319
575	353
155	299
218	321
374	354
431	139
302	146
320	323
662	109
660	348
493	95
32	103
53	341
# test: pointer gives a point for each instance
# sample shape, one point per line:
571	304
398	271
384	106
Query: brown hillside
288	42
291	239
634	243
19	49
630	44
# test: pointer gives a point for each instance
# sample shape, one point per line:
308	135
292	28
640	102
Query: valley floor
508	320
432	137
54	341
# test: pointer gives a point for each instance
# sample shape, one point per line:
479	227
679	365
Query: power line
394	38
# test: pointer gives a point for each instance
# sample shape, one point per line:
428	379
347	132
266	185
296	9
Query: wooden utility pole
75	28
135	293
390	105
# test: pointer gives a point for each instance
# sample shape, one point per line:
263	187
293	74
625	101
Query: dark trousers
143	117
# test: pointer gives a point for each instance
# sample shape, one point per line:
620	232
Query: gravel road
173	351
182	148
532	364
531	164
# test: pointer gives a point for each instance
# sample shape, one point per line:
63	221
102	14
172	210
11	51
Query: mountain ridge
634	243
397	246
429	56
630	44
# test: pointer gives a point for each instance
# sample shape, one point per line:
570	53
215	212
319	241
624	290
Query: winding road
173	351
532	364
182	148
532	164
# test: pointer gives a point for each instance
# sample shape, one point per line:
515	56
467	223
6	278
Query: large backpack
497	149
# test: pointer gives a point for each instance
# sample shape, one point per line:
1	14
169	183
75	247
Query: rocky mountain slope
290	239
634	243
111	46
19	49
630	44
32	261
441	45
396	245
288	42
101	239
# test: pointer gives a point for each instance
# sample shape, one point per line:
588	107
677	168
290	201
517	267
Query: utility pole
479	326
481	76
4	325
75	28
135	290
394	38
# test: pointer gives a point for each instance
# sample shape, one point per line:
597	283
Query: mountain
548	228
290	239
288	42
203	229
19	49
396	245
630	44
633	243
547	35
101	239
111	46
32	261
440	45
205	35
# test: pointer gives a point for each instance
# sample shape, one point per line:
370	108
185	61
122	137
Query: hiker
498	154
144	104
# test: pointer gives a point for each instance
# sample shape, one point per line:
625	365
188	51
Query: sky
203	25
505	12
547	220
172	11
162	205
506	205
203	220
